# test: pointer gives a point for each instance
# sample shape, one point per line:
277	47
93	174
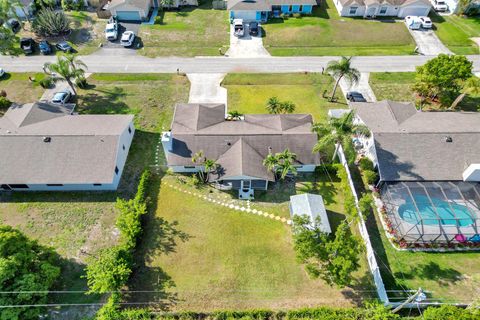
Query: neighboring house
261	10
46	147
25	8
239	147
310	205
429	168
379	8
131	10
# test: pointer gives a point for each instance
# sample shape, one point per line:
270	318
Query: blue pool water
408	210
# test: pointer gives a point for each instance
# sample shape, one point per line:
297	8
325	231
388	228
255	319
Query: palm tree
340	69
234	115
271	163
287	107
472	86
209	165
286	163
273	105
75	63
337	131
64	69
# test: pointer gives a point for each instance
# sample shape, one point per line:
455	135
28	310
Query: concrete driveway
247	46
363	86
428	43
122	27
206	88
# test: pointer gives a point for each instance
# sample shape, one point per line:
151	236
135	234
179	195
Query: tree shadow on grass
432	271
96	101
362	289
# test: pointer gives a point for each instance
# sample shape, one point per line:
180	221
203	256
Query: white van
413	22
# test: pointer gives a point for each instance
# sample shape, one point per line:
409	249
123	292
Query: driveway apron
246	46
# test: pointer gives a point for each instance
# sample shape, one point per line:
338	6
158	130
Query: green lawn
19	89
456	32
84	221
187	32
248	93
397	86
326	33
229	259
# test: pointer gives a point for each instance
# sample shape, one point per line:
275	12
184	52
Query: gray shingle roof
248	139
411	145
82	148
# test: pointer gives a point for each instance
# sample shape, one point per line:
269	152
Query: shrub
51	23
46	83
4	103
81	82
67	5
370	176
365	164
297	15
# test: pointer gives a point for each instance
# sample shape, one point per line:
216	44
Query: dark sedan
253	28
45	47
354	96
64	46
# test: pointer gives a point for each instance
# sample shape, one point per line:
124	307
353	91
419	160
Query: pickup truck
239	28
111	30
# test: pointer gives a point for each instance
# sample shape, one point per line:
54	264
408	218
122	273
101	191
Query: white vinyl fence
372	261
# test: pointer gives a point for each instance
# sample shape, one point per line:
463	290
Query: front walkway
363	86
428	43
206	88
247	46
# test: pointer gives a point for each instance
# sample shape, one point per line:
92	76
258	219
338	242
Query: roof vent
229	143
47	139
448	139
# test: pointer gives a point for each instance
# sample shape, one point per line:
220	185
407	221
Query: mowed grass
78	224
226	260
456	32
191	31
249	93
326	33
397	86
19	89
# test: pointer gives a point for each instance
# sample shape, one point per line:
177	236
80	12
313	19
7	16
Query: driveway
206	88
122	27
247	46
363	86
428	43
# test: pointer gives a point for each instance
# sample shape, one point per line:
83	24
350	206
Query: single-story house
23	8
379	8
48	147
239	147
310	205
131	10
261	10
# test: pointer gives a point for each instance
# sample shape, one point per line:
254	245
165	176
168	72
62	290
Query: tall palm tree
64	69
337	131
286	163
342	69
273	105
472	86
271	163
75	63
209	165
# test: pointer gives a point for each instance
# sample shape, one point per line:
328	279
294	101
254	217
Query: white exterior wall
71	187
124	140
392	11
306	168
472	173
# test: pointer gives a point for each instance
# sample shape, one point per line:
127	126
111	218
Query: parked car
2	72
426	22
128	37
439	5
238	28
253	28
413	22
27	45
111	30
45	47
61	97
64	46
354	96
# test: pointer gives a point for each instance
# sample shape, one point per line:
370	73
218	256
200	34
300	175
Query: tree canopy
24	266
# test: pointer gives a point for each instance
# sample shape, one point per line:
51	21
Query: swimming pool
428	214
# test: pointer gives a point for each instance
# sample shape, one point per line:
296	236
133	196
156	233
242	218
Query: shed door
128	16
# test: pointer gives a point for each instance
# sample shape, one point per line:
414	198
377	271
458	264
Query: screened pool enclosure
433	212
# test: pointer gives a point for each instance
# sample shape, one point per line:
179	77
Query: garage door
413	11
245	15
128	15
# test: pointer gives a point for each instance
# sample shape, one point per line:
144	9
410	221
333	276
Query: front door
246	184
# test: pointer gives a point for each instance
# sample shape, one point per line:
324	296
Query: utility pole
418	296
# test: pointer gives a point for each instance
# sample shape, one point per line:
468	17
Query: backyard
190	31
456	32
78	224
398	87
326	33
248	93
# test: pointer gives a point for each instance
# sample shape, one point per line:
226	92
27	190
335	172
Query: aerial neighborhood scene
240	159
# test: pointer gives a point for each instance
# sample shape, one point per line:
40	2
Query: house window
18	186
383	10
54	185
97	184
189	167
129	130
116	170
123	147
300	8
353	10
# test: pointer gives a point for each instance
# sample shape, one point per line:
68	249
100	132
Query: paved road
113	61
